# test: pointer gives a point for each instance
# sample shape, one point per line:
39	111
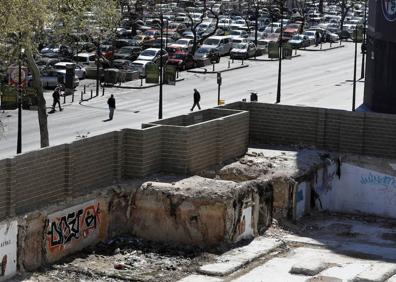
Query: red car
182	60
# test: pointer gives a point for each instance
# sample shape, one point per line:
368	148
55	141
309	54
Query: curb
211	72
144	87
273	60
322	50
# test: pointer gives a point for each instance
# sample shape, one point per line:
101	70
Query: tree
21	21
194	27
345	6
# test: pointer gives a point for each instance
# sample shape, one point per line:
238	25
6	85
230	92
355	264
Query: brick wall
39	178
183	145
4	187
365	133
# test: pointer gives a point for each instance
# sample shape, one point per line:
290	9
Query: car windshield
297	37
309	33
178	56
212	41
182	42
203	50
149	53
125	50
241	46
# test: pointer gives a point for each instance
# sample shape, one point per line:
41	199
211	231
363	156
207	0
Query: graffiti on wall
8	249
377	179
71	228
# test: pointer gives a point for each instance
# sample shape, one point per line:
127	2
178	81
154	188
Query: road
318	79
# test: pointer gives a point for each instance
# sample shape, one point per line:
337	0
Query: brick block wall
44	177
40	178
93	162
174	149
365	133
4	186
234	135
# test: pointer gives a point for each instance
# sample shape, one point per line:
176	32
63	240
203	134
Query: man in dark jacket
197	98
56	97
112	105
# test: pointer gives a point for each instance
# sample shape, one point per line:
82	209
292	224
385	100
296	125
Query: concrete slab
200	278
340	273
308	267
236	258
378	272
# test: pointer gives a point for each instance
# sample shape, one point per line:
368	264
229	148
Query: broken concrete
237	258
376	273
308	267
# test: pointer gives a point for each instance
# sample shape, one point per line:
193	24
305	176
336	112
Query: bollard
320	45
331	43
177	74
91	93
82	94
64	98
340	41
141	82
295	52
242	62
103	91
232	60
73	97
85	89
213	67
229	62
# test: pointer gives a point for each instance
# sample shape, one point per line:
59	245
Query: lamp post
161	64
19	140
256	22
278	92
364	39
354	73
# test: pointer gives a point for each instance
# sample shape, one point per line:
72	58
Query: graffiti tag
75	225
385	181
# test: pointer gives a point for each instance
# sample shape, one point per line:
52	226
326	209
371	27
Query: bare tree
194	27
345	6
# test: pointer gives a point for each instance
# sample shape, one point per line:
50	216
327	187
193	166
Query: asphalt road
318	79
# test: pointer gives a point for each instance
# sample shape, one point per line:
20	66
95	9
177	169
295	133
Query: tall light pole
354	73
256	22
19	140
278	92
161	64
364	39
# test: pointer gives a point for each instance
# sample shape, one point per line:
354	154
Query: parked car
182	60
85	58
140	67
243	51
128	53
79	71
311	34
153	55
107	51
299	41
222	44
123	64
238	34
51	78
207	53
184	43
331	37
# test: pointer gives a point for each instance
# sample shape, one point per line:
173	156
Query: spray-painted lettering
75	225
381	180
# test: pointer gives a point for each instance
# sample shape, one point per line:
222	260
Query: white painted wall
358	190
8	249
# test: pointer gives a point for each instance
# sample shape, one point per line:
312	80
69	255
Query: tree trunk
38	86
321	7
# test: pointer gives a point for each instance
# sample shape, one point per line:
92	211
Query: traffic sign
219	79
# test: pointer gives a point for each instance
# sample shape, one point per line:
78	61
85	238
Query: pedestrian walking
56	98
112	105
197	98
317	38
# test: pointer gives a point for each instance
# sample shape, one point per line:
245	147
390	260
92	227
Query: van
85	58
222	43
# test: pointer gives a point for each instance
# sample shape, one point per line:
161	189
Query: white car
140	66
238	33
153	55
185	43
80	71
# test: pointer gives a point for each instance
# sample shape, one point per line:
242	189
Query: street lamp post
278	92
19	140
256	24
354	73
364	39
161	64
